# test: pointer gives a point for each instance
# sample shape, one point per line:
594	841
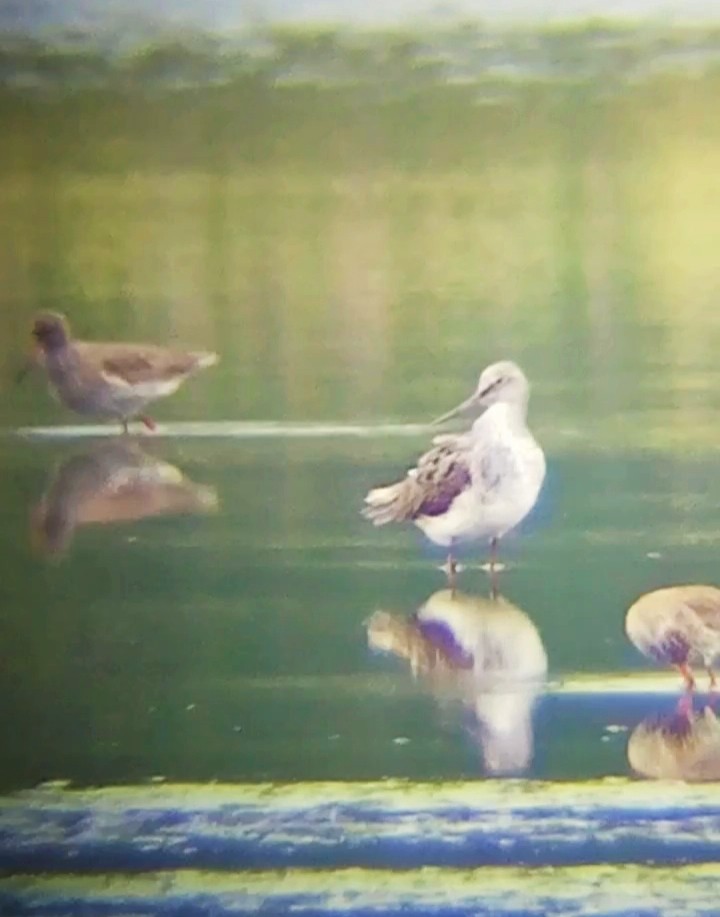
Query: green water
353	264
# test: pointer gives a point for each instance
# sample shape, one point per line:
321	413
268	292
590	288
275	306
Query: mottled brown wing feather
706	605
441	475
136	363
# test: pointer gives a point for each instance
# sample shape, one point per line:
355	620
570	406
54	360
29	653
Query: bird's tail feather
392	503
205	359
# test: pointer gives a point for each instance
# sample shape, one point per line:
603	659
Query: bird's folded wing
700	611
441	475
134	364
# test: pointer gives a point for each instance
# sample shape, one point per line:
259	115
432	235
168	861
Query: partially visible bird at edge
678	626
109	380
473	486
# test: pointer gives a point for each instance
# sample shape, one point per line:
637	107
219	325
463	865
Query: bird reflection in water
485	652
683	745
112	482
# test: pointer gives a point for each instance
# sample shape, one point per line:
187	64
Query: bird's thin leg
451	571
684	669
713	679
493	554
125	427
24	370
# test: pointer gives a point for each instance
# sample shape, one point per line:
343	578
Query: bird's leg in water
493	553
684	669
493	566
450	570
125	428
28	365
713	679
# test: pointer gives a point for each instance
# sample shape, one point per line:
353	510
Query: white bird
485	652
477	485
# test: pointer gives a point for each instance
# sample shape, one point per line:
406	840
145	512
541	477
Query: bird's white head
500	382
503	381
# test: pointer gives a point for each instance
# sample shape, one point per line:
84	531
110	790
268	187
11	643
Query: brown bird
678	625
110	380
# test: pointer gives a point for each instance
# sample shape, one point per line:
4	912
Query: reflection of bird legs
494	587
685	704
713	679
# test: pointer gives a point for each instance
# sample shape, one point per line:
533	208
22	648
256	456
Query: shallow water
230	642
214	624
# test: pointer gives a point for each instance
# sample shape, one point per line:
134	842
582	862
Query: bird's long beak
24	370
472	402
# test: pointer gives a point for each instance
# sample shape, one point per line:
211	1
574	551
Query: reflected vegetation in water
682	745
111	483
485	653
331	209
410	57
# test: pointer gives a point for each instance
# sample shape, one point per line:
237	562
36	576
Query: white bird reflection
112	482
485	652
683	745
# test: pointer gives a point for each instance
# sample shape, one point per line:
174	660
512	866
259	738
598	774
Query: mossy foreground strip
500	892
375	825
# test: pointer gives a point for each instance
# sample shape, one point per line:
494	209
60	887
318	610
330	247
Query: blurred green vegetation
360	219
401	58
327	97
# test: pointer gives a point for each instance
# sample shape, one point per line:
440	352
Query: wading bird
473	486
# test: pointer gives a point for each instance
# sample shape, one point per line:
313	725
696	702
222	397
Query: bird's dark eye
492	387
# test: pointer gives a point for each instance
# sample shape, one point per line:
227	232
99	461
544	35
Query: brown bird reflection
112	482
684	745
485	652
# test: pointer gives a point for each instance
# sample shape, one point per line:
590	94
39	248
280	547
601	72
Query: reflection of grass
321	97
375	293
252	122
361	250
388	61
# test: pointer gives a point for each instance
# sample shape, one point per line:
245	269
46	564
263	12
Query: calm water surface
229	641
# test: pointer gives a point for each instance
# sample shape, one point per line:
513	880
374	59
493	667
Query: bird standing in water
474	486
110	380
679	626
